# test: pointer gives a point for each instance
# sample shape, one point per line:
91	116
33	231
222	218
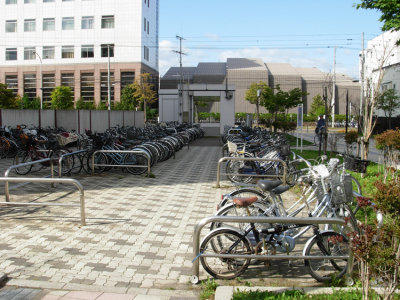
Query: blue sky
300	32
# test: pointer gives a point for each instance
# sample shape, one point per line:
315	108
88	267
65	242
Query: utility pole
360	119
180	89
109	87
333	88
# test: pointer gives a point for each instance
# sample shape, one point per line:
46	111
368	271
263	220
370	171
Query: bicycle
267	241
31	152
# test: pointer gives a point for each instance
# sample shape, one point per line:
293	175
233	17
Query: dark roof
174	72
211	69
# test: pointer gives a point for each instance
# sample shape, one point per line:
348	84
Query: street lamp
41	81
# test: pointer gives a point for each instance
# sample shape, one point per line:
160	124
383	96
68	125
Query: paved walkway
138	240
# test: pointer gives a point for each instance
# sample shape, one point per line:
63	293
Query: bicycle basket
232	147
355	164
285	150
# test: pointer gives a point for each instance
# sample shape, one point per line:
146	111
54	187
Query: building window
11	53
30	86
87	22
87	87
67	52
48	52
49	24
11	26
12	83
67	0
68	79
29	25
146	53
104	50
104	86
29	53
145	24
126	79
49	83
87	51
11	1
44	1
29	1
107	22
68	23
148	27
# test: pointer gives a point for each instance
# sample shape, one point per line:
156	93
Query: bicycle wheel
357	189
138	159
236	167
225	241
327	244
4	147
256	209
67	162
346	213
100	159
20	158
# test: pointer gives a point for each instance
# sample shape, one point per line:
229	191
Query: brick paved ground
138	235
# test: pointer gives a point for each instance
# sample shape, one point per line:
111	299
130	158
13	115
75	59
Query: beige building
242	72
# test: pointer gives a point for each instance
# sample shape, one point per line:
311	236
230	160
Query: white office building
77	43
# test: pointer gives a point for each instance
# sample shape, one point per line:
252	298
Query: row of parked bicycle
326	190
130	147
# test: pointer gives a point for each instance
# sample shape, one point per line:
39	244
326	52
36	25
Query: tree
28	103
317	106
129	99
7	98
62	98
388	101
282	101
390	10
256	98
145	91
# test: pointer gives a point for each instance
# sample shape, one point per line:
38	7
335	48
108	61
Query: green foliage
317	106
390	10
7	98
209	286
62	98
351	137
102	106
80	104
299	295
151	113
30	103
388	101
388	140
129	98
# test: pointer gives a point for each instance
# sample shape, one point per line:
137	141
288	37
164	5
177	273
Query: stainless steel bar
249	159
65	155
74	182
7	173
273	257
248	219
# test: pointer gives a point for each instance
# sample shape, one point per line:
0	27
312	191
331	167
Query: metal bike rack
251	175
65	155
123	166
40	161
47	180
248	219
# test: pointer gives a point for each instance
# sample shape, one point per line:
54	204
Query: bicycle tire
20	158
220	241
233	167
356	185
136	159
100	159
326	244
256	209
67	163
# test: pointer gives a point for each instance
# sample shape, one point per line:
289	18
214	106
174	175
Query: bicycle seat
280	189
268	185
244	201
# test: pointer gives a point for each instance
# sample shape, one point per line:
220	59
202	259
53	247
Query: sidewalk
138	240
